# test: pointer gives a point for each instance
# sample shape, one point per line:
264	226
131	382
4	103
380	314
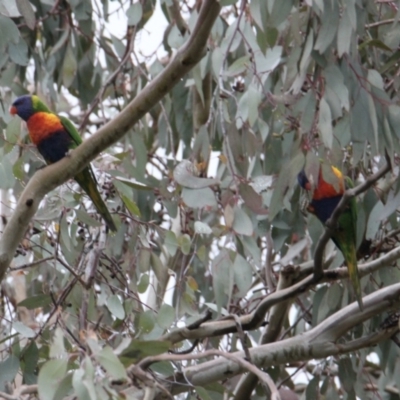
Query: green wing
345	238
70	128
86	178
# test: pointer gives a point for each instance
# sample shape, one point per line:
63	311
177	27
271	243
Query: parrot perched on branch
326	196
54	136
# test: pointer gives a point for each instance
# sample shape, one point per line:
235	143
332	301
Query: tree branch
319	342
54	175
255	319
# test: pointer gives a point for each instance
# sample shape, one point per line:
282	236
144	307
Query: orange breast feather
42	125
325	189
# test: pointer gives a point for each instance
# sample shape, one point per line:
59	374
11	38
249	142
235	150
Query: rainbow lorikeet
325	198
54	136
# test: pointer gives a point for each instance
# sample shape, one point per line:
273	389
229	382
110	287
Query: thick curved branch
54	175
319	342
255	319
264	377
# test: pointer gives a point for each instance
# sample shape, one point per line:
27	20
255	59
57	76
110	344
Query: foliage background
204	191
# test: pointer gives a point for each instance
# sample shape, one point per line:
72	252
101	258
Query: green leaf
222	272
146	322
134	184
325	123
361	124
70	67
18	52
25	8
166	316
50	376
175	39
335	81
118	46
9	32
185	243
13	131
134	14
334	296
216	61
254	99
202	393
110	362
306	55
378	212
131	205
255	12
30	358
330	22
143	284
57	348
171	242
185	173
61	41
84	380
375	43
8	371
199	198
345	32
24	330
312	391
347	375
287	176
238	67
164	368
115	307
241	222
139	349
84	217
202	229
243	275
280	11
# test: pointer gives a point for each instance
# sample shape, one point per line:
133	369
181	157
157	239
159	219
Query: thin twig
32	264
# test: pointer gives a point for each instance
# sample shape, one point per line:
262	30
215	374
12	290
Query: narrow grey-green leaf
325	123
40	300
111	363
345	32
8	371
84	217
199	198
70	66
115	306
330	22
134	14
50	376
25	8
347	375
24	330
241	222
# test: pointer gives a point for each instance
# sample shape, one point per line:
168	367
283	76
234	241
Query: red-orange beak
13	110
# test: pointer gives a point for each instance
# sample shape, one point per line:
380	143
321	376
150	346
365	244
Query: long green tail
88	183
345	238
348	249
